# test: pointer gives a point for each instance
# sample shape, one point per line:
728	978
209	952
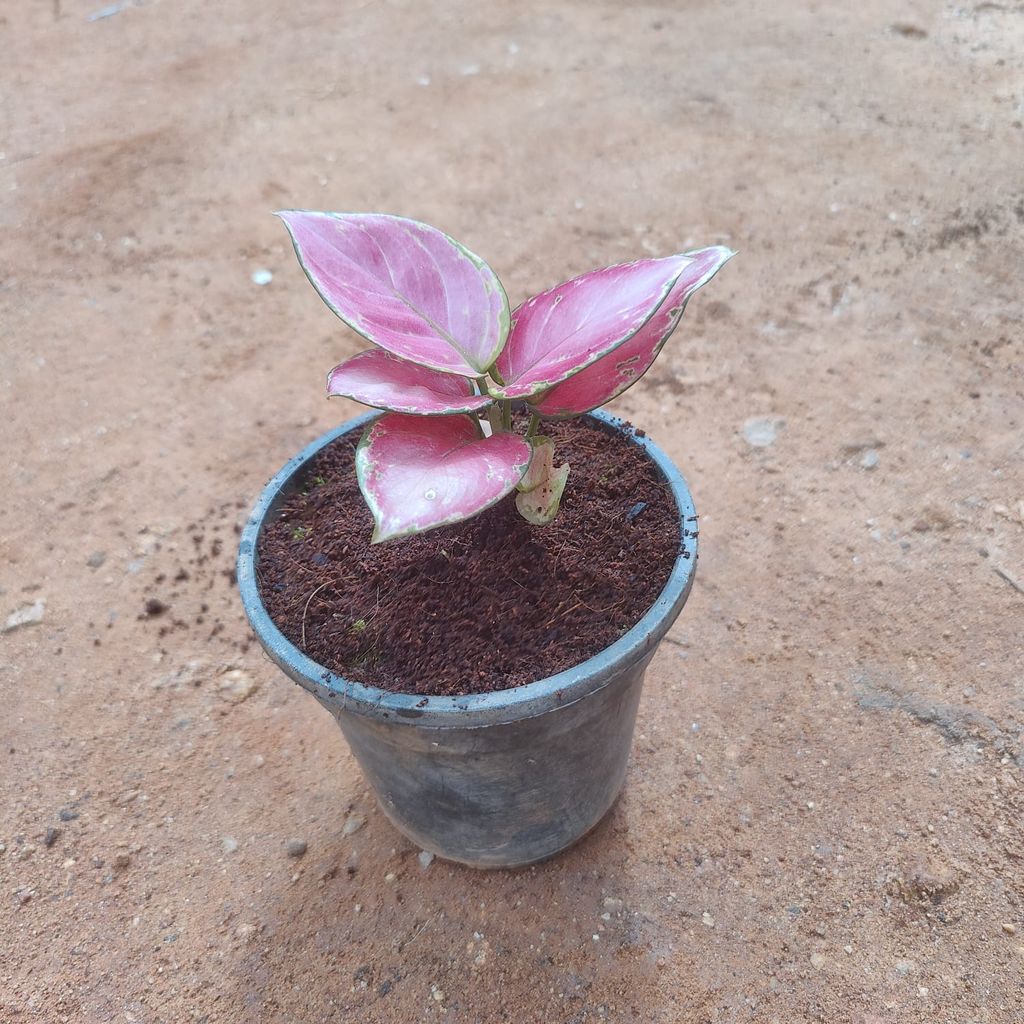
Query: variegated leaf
417	473
562	331
382	380
613	373
405	286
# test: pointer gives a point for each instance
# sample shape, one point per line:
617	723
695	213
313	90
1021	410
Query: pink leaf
565	329
405	286
610	375
380	379
417	472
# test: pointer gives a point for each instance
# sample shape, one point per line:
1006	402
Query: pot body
500	779
502	795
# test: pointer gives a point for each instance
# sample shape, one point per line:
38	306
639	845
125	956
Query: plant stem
534	425
506	415
494	419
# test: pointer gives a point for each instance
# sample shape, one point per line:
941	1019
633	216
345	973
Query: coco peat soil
482	605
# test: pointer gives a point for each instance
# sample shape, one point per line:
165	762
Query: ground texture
822	820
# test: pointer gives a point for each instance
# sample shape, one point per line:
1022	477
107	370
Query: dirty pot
498	779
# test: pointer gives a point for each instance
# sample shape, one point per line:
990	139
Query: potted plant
489	729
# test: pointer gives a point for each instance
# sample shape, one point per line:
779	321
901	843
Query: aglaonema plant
450	360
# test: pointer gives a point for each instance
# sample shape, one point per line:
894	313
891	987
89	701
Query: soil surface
482	605
822	818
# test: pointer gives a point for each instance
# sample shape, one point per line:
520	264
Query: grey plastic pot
499	779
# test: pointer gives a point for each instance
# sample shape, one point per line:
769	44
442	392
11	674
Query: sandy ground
822	820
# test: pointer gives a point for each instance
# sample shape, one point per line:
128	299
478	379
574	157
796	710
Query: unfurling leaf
562	331
540	465
624	366
382	380
540	505
405	286
417	473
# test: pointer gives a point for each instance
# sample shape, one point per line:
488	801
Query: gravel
296	847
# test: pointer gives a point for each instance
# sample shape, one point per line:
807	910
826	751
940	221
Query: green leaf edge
504	316
362	459
499	393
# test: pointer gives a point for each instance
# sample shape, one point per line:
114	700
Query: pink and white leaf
384	381
563	330
613	373
417	473
405	286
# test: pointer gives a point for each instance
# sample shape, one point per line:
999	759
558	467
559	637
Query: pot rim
477	709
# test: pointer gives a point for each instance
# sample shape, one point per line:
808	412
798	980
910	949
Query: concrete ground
823	815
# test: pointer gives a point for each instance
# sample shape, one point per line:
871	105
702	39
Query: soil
822	816
483	605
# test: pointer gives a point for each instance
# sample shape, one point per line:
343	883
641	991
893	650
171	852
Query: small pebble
26	851
96	559
762	431
121	859
262	277
905	967
352	824
235	685
708	919
426	858
817	961
1010	929
27	615
869	460
229	844
52	834
67	814
296	847
635	511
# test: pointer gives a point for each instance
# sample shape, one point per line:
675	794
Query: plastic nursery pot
498	779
